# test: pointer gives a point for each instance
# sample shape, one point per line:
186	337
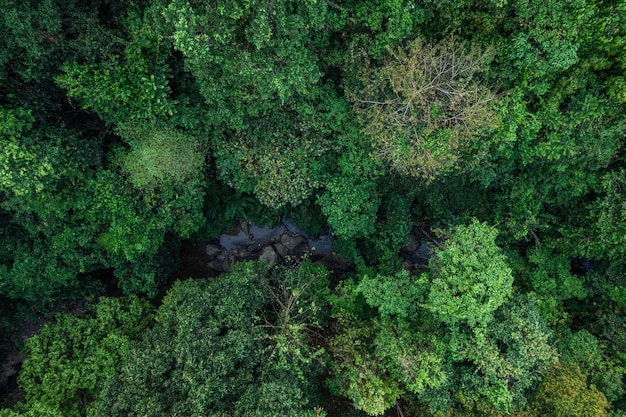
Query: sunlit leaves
565	393
471	277
25	165
70	359
160	158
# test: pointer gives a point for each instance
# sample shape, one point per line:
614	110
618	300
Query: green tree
545	39
69	361
226	346
248	57
604	240
284	156
359	374
160	158
470	277
425	107
31	32
588	354
546	275
128	77
200	354
565	392
421	344
39	161
25	165
350	205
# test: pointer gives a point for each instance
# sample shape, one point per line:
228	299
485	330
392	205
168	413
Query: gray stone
422	255
291	241
414	243
213	250
424	252
10	367
292	227
245	227
216	265
238	253
264	236
240	240
226	265
269	256
334	262
281	249
322	246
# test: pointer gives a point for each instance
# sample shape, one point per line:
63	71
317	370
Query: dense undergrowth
128	127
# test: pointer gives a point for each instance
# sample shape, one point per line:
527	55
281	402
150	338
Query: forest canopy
444	181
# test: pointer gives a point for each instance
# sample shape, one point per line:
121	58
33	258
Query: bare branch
429	96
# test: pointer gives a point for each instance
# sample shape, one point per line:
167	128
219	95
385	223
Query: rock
226	265
213	250
322	246
245	227
269	256
414	243
264	236
238	253
281	249
216	265
421	256
10	368
292	227
291	241
335	263
240	240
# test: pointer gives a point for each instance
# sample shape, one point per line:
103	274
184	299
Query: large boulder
269	256
213	250
291	241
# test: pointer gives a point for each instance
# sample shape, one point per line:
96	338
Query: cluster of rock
419	250
287	242
272	245
9	370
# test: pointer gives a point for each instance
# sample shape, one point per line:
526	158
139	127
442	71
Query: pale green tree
426	107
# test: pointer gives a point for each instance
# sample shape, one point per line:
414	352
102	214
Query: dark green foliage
127	127
373	27
549	279
351	199
128	79
360	374
546	38
102	223
606	234
582	350
8	328
281	158
350	206
20	156
211	350
174	371
30	31
248	56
